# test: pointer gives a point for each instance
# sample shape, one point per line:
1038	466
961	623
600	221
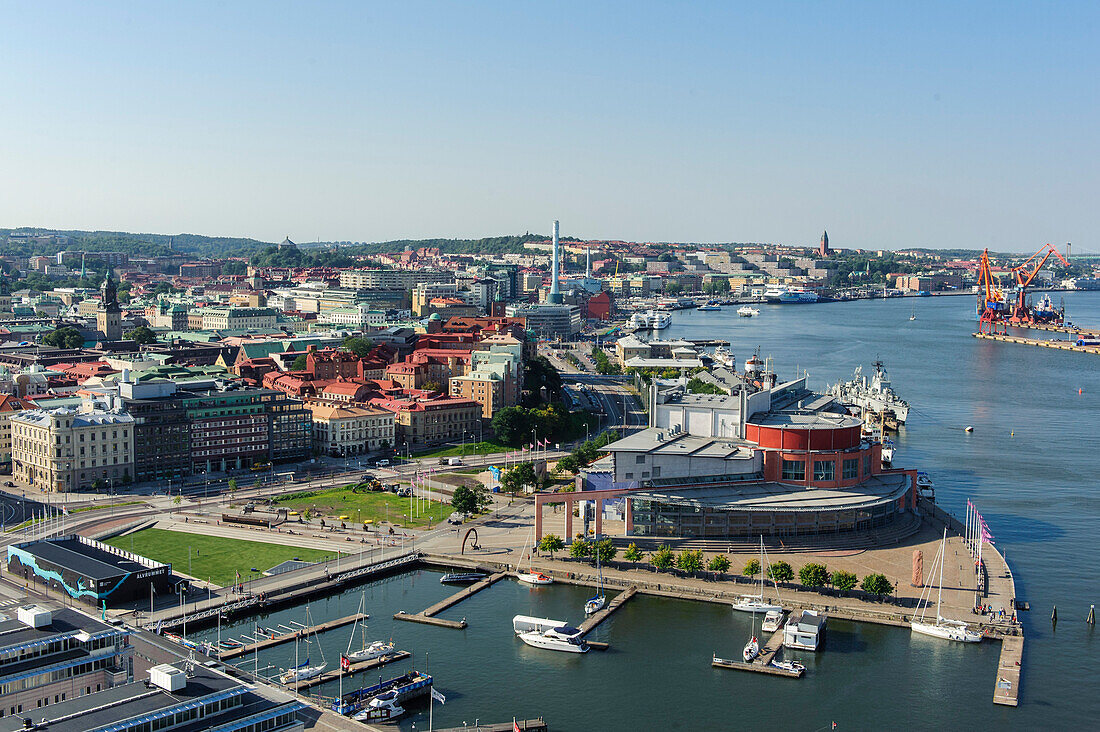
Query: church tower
109	317
824	250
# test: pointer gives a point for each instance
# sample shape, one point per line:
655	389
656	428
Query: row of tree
586	452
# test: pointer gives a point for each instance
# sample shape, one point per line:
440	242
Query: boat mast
939	598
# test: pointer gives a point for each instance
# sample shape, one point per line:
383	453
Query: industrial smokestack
555	295
588	262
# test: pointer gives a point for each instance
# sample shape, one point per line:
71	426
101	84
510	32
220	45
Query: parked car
454	461
9	484
455	518
383	463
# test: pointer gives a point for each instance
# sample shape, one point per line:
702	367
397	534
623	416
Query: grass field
359	507
472	448
213	558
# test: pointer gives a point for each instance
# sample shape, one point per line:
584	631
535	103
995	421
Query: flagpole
966	537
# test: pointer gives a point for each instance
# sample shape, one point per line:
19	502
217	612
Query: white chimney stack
555	294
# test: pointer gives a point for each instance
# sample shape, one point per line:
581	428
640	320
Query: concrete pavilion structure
772	459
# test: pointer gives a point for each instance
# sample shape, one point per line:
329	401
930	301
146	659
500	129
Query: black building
162	432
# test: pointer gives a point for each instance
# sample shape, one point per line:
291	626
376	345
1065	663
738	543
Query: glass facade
666	519
794	470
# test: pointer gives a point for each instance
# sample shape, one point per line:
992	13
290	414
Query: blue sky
890	124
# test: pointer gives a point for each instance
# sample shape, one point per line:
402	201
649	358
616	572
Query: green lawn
213	558
472	448
358	507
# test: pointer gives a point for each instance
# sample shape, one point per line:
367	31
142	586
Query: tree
359	346
518	478
813	575
177	500
126	479
752	568
844	581
98	485
307	515
470	500
662	558
231	485
300	363
431	386
605	550
67	337
690	560
580	549
780	572
633	554
141	335
511	426
551	543
719	563
876	584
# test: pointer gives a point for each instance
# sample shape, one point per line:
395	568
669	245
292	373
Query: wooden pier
427	616
1060	345
742	666
1007	689
277	640
355	668
769	649
594	621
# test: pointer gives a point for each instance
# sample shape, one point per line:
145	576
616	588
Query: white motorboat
789	666
887	451
952	630
773	621
380	708
305	672
534	578
711	306
746	311
756	603
752	650
562	638
650	320
461	578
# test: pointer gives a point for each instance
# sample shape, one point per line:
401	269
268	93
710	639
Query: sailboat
366	652
756	603
596	603
954	630
913	314
531	577
752	648
304	671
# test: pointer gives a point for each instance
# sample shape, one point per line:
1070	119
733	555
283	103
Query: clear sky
890	124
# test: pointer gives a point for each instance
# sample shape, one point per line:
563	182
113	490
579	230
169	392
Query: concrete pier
288	637
524	725
1060	345
427	616
335	674
426	620
1007	689
598	617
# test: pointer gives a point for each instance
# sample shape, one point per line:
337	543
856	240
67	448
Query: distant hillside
137	244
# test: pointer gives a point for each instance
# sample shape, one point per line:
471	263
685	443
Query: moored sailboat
953	630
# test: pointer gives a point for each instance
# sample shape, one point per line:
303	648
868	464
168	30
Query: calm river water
1030	465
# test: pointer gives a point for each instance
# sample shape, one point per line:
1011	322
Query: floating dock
1007	689
288	637
427	616
523	725
1060	345
596	618
763	662
354	669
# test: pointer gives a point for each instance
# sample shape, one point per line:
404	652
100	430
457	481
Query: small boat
913	315
756	603
380	708
406	686
746	311
887	451
952	630
773	621
789	666
599	600
377	649
304	672
534	578
461	578
562	638
924	481
711	306
752	650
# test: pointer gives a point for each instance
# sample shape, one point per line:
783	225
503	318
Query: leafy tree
690	560
141	335
719	563
126	479
605	550
752	568
780	572
580	549
164	288
663	558
518	478
98	485
538	372
470	500
231	485
511	426
633	554
177	500
432	386
844	581
300	363
813	575
66	337
673	288
359	346
307	515
698	386
551	543
234	268
876	584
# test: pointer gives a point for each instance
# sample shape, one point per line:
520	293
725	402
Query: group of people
994	615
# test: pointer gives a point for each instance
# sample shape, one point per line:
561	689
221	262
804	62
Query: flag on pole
515	725
438	696
345	662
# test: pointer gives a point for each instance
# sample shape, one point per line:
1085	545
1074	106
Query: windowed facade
794	470
824	470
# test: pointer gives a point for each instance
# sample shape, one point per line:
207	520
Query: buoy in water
969	428
1012	433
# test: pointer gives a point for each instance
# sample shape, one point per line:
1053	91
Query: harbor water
1030	465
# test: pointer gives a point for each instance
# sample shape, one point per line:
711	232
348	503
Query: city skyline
893	128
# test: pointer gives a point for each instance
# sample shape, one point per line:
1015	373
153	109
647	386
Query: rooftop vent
168	677
35	616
